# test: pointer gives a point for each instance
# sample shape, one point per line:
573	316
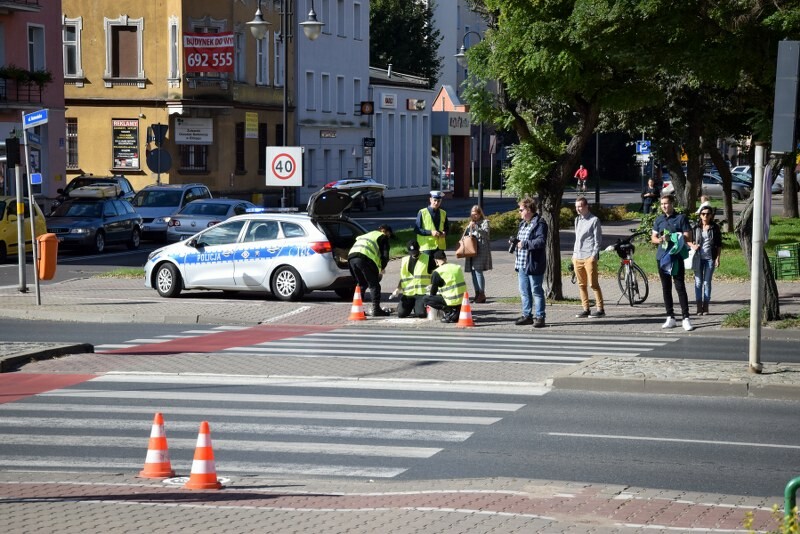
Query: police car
284	253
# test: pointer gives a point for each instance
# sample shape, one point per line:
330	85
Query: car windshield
157	199
83	182
202	208
79	209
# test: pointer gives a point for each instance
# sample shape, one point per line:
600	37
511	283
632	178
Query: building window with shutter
124	52
193	158
72	142
239	144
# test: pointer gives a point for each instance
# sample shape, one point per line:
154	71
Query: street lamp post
461	58
311	28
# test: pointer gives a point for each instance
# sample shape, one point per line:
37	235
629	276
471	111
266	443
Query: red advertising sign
208	52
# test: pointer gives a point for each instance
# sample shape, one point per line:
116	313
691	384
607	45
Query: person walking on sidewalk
530	263
582	174
414	278
368	259
431	228
649	195
707	246
478	227
585	255
671	232
447	288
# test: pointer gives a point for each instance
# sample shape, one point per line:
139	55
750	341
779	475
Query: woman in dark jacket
707	244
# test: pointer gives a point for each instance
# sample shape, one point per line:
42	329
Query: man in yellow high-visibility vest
447	288
368	258
414	279
431	228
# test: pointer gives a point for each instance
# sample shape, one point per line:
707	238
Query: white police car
287	254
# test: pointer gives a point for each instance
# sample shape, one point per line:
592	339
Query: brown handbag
467	247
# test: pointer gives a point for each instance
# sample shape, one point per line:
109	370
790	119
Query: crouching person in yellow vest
414	279
447	288
368	258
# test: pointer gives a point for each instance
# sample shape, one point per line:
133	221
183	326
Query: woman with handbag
478	228
707	246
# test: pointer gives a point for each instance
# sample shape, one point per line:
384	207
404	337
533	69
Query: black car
95	217
125	189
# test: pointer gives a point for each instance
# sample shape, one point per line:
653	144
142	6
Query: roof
390	77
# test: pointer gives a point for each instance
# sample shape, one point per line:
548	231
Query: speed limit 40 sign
284	166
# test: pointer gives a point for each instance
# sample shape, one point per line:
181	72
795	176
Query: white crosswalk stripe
454	346
105	347
364	431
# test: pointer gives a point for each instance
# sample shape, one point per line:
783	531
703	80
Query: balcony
19	6
14	92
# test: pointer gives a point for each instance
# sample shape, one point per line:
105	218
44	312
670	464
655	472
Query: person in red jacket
581	175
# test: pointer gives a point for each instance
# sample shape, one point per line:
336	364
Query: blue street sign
34	139
36	178
643	147
34	119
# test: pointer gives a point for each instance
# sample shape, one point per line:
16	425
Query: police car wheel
168	281
287	284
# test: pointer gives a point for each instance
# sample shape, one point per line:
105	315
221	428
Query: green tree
402	34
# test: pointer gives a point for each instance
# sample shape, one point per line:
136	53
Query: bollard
790	497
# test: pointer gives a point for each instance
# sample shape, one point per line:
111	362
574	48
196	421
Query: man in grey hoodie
585	255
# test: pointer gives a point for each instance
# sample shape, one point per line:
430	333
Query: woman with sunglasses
707	244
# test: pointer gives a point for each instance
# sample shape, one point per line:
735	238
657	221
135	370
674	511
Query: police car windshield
157	199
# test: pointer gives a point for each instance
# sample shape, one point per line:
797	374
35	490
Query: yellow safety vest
428	242
454	285
413	284
367	245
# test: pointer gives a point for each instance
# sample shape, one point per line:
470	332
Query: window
292	230
357	21
311	104
208	25
124	49
73	68
72	142
174	74
340	29
262	61
239	142
222	234
262	231
326	92
240	58
36	48
193	157
340	107
278	48
357	92
278	136
326	15
262	147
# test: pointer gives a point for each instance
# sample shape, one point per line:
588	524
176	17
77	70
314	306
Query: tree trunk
725	173
790	192
769	289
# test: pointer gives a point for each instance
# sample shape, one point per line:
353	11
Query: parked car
156	203
777	185
86	180
285	254
712	187
365	193
745	169
93	218
9	238
203	213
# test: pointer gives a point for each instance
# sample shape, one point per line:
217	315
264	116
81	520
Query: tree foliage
402	34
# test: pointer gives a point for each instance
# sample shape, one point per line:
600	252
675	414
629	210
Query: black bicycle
631	278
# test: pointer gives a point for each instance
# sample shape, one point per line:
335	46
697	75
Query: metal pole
23	287
285	39
32	210
597	168
480	167
755	261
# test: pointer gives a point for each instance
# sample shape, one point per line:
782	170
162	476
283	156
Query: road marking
266	414
676	440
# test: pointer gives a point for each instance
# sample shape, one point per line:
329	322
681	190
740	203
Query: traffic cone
357	311
156	464
465	316
204	472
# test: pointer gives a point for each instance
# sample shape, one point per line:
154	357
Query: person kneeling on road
368	259
447	288
414	278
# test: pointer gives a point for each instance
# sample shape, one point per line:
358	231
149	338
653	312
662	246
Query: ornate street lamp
461	58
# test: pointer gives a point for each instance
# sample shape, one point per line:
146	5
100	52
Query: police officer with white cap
431	228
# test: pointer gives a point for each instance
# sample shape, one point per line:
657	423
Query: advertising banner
208	52
125	143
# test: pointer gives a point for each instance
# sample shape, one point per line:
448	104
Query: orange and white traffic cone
465	316
204	471
157	464
357	310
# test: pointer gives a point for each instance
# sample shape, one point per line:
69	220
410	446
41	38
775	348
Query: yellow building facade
133	67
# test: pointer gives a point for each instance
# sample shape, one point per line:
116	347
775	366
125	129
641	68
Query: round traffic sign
159	160
283	166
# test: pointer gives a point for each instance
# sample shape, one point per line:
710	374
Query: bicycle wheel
621	276
640	288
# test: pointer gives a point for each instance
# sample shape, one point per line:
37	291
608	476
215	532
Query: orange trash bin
48	256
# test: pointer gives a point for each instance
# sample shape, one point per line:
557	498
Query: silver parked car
712	187
285	254
156	203
203	213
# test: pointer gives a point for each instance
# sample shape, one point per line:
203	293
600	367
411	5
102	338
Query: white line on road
314	349
676	440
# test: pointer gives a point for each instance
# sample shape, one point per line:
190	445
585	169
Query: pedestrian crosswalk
455	346
187	334
259	426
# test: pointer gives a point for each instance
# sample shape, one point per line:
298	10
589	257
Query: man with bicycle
585	254
671	232
582	174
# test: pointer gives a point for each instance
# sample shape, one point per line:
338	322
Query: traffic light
12	152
